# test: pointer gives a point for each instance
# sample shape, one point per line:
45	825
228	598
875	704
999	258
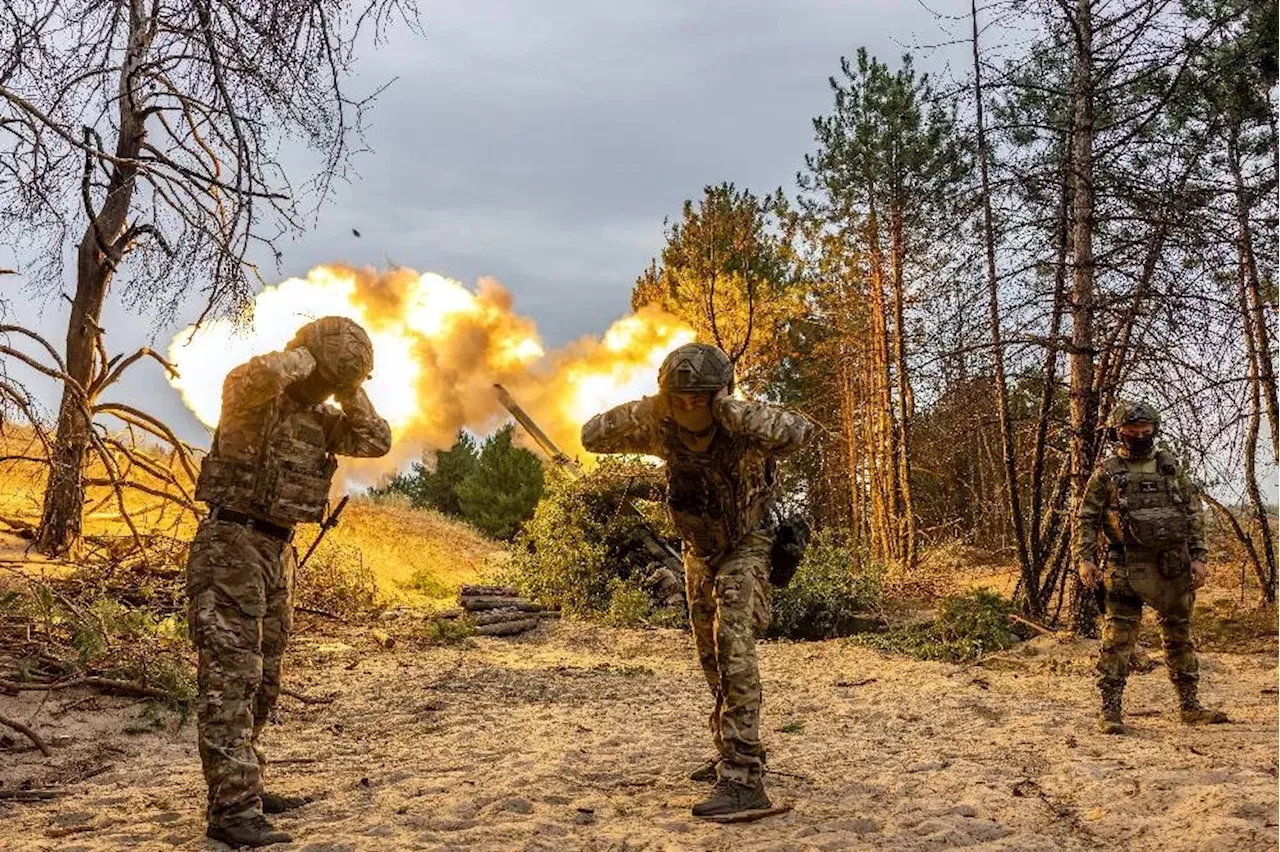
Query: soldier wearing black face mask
1145	507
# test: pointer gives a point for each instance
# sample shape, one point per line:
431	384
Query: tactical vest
715	497
1153	515
286	482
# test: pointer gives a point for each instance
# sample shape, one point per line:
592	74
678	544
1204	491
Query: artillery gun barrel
548	446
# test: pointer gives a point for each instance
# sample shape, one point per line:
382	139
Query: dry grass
415	555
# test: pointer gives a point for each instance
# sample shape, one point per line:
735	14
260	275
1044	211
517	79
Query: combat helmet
1128	411
696	368
342	349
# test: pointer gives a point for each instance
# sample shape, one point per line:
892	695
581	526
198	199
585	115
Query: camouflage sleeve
264	377
1090	516
776	430
357	430
632	427
1195	508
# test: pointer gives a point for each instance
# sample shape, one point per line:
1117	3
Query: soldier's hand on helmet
717	399
1199	573
1090	574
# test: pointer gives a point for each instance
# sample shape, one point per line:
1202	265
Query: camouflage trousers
1129	586
730	602
239	599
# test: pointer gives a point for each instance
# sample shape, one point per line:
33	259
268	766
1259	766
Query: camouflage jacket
1105	508
718	496
272	456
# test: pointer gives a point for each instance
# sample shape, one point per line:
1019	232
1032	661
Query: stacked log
500	611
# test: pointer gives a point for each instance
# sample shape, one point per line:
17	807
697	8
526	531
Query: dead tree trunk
105	240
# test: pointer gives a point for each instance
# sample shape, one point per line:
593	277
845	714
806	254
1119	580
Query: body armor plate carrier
286	482
1153	517
712	496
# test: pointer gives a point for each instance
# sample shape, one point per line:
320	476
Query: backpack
789	543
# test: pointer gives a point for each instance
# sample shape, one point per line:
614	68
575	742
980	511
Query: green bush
582	538
629	605
832	587
967	626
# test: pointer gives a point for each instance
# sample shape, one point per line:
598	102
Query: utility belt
230	516
1170	563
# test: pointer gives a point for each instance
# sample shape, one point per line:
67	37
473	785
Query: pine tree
503	489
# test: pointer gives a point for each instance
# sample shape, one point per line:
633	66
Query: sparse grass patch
427	584
792	727
336	579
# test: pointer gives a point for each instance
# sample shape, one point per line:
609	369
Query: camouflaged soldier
719	454
270	467
1149	512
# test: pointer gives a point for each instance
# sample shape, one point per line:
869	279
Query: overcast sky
543	144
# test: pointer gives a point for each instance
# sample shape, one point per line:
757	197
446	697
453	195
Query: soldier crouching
270	467
720	454
1149	512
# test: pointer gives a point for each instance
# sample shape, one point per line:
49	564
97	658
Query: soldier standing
1149	512
270	467
719	454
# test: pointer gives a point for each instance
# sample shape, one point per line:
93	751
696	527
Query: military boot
276	803
253	831
1111	717
729	798
1193	713
707	772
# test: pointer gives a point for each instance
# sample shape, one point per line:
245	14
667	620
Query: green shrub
831	589
582	537
445	631
436	487
629	605
967	626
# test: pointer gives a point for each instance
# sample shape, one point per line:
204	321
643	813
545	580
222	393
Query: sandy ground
580	738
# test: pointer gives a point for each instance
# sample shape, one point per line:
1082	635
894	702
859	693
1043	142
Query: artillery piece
665	579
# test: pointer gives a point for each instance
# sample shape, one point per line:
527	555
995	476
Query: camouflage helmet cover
342	349
696	368
1135	412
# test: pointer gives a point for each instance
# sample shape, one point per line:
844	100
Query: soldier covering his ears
1144	504
720	454
270	467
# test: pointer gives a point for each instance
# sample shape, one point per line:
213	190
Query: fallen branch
323	613
104	683
29	795
469	591
1039	628
28	733
479	604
